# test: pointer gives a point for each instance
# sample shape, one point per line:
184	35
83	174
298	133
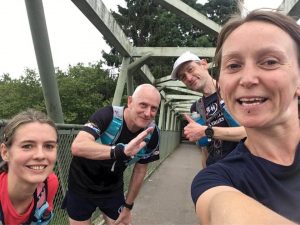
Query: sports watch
209	132
128	206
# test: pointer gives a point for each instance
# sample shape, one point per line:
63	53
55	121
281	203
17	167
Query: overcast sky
72	37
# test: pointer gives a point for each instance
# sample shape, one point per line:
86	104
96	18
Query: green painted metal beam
96	12
39	33
161	114
173	51
181	9
121	82
182	97
138	63
291	7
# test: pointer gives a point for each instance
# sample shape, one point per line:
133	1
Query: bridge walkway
165	197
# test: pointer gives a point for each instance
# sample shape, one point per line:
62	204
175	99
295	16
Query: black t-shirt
193	107
95	178
273	185
217	149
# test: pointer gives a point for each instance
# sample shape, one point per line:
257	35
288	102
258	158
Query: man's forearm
85	146
136	182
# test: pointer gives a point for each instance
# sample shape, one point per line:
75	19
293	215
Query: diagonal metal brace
132	67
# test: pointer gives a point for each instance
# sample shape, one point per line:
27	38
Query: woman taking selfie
259	182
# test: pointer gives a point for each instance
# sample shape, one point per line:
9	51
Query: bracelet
128	206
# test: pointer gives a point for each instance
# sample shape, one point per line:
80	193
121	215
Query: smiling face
142	107
32	154
260	75
194	74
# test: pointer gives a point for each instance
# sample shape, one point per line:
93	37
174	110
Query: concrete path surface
165	197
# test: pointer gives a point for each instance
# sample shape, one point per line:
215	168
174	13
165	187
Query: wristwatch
128	206
209	132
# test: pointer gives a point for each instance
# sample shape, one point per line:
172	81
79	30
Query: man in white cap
219	132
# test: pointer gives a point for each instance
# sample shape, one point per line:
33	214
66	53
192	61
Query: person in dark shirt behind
218	133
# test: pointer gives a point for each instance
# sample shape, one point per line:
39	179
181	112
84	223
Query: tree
84	89
19	94
147	24
220	10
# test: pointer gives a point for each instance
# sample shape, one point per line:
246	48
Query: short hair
284	22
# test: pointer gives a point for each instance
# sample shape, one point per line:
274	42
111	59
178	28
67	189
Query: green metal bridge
134	61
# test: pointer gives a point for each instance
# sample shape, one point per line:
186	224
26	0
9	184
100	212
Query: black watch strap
128	206
209	132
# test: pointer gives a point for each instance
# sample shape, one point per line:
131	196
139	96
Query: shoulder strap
39	214
111	134
39	190
229	119
39	199
200	107
202	111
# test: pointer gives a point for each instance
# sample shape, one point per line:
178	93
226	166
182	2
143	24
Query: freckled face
32	155
260	75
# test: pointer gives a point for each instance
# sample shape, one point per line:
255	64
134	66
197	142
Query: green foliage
146	23
220	10
19	94
84	89
112	59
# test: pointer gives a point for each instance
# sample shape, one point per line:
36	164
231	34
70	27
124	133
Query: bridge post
39	33
123	75
161	113
168	118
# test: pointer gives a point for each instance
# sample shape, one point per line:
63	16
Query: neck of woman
279	144
20	194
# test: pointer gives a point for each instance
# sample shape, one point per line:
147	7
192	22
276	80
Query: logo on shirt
93	126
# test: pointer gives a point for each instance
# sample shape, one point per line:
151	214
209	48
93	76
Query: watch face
209	132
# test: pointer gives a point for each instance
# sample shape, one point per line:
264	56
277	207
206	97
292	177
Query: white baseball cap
185	57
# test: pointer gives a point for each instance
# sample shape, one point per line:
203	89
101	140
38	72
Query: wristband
112	152
128	206
117	153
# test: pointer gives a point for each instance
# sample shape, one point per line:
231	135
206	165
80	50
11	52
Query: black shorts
81	208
